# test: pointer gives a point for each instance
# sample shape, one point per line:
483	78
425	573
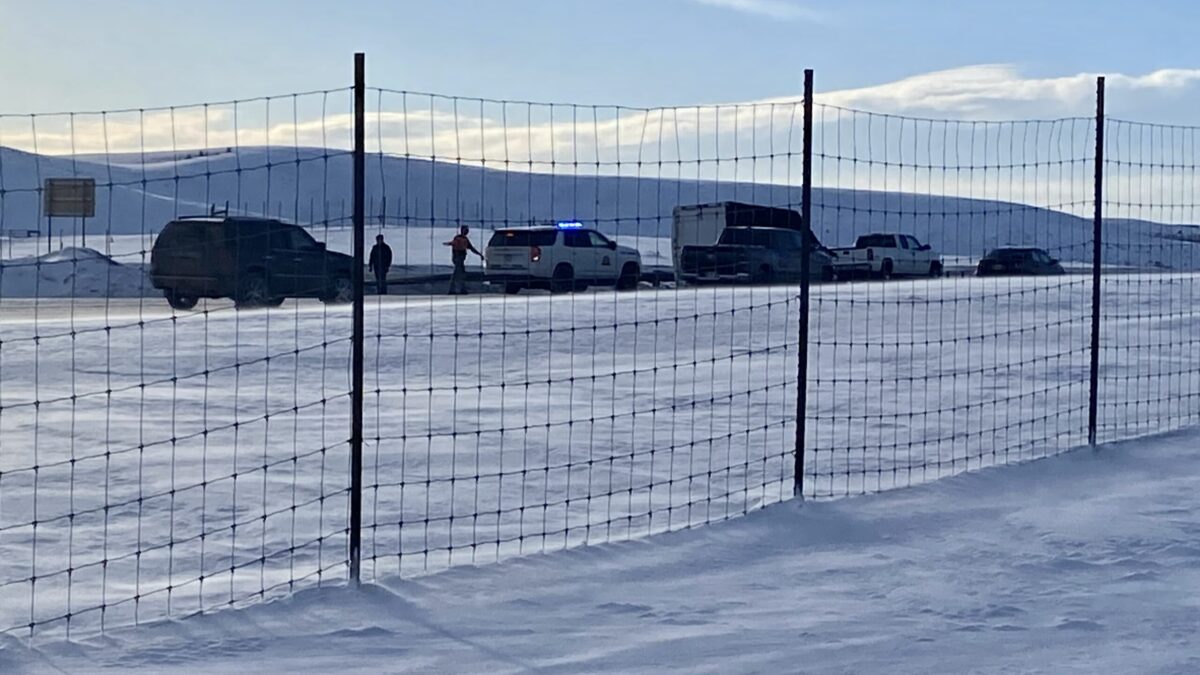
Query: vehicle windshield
598	240
180	235
876	241
740	236
302	240
1010	253
523	238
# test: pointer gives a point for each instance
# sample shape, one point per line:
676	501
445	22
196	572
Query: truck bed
718	263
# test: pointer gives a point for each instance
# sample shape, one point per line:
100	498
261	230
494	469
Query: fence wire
1150	363
158	462
544	419
591	380
941	370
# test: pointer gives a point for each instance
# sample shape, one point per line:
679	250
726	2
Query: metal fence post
356	388
1097	259
805	263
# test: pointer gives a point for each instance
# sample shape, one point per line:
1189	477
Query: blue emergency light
569	225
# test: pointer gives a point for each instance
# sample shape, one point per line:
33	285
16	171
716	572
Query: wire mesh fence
1149	377
178	399
979	356
157	461
549	417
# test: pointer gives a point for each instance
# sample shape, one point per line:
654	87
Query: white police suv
562	258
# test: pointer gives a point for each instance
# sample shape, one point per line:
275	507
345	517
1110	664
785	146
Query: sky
73	55
955	60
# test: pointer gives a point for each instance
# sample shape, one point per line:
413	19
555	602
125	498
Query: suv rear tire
630	276
341	291
766	275
935	269
563	280
178	300
253	292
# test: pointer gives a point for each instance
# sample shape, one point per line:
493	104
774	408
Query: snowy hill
313	185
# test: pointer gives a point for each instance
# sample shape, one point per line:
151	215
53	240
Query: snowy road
1082	563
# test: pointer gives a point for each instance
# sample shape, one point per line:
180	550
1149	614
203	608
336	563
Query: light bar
569	225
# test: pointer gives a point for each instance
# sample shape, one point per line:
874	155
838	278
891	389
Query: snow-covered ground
1083	563
182	461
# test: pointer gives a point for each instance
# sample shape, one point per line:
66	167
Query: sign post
68	198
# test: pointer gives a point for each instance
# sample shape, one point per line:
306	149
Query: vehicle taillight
535	253
870	254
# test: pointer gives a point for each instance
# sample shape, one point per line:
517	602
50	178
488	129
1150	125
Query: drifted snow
72	272
1082	563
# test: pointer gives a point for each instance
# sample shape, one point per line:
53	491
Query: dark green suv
255	261
1013	260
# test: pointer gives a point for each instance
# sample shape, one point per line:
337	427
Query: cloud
907	149
775	9
999	91
534	136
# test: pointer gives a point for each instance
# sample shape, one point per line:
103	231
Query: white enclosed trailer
702	224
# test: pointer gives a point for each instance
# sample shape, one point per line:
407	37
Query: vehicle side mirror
924	247
1054	261
612	245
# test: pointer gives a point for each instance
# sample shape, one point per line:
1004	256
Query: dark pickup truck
760	255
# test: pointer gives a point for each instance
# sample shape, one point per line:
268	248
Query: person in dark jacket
381	260
459	246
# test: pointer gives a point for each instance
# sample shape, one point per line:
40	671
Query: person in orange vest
459	246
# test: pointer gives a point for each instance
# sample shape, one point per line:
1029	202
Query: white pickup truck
885	256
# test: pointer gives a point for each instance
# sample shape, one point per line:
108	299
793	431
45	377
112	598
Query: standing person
459	246
381	261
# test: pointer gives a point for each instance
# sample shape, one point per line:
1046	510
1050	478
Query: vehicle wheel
630	276
886	270
563	280
512	289
341	291
179	301
766	275
253	292
827	274
935	269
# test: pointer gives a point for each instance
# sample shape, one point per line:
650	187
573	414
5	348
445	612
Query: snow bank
72	272
1071	564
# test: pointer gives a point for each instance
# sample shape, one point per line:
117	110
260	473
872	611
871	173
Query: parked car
1014	260
753	255
254	261
561	258
887	255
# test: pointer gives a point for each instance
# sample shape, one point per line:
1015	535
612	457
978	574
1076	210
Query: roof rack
213	212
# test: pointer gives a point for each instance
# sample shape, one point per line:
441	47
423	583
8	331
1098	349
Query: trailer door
696	226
